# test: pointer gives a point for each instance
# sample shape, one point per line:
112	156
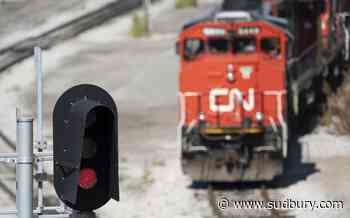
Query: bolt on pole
24	167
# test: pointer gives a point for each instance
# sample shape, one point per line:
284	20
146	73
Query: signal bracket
11	158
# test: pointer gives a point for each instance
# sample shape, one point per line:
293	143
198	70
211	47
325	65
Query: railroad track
4	183
24	48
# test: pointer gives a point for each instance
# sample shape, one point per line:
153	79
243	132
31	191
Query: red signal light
87	178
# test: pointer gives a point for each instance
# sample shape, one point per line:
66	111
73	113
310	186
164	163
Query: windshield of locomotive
193	48
244	45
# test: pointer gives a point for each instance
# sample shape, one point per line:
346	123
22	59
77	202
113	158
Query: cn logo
235	96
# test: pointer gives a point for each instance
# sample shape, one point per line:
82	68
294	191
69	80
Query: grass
124	159
180	4
123	176
158	163
147	177
139	26
142	183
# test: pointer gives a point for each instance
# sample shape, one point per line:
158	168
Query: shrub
139	26
185	3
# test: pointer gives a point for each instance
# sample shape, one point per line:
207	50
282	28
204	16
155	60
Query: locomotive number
235	96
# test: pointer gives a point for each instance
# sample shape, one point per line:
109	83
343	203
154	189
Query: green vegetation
158	163
123	176
142	183
139	26
185	3
147	177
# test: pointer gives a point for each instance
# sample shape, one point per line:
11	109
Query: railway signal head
85	138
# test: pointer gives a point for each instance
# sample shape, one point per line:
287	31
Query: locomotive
248	76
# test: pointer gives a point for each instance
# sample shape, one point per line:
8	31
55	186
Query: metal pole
39	93
40	126
40	135
24	171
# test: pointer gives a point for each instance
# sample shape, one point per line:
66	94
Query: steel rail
24	49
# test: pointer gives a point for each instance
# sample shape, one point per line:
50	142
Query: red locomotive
247	77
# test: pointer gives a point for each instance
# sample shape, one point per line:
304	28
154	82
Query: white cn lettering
214	93
234	95
250	103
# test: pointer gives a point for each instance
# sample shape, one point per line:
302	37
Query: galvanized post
39	93
24	168
40	127
40	135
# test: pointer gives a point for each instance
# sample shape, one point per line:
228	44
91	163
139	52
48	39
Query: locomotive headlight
201	116
259	116
230	73
230	77
324	26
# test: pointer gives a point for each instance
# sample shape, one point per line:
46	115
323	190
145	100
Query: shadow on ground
294	171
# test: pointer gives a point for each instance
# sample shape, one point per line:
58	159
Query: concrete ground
142	76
